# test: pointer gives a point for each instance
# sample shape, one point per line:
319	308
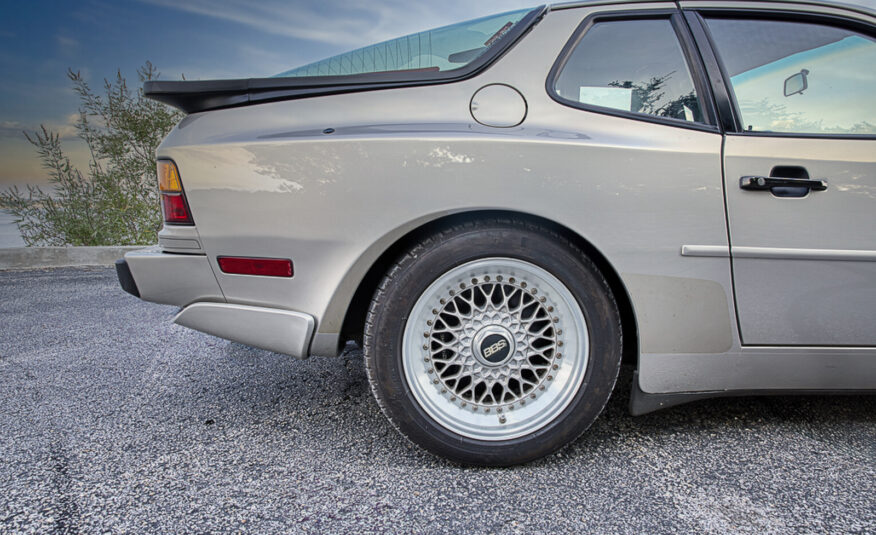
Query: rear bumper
188	281
169	278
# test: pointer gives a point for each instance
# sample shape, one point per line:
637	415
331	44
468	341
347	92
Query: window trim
728	108
689	53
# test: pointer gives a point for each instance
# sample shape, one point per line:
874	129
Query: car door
799	172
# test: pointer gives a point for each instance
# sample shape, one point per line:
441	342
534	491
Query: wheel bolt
532	396
502	419
556	366
429	322
523	284
542	299
486	278
474	281
550	377
426	334
426	359
541	387
442	301
550	309
556	320
430	370
499	278
511	280
534	291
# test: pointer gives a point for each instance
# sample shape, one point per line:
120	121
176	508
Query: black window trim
689	52
720	79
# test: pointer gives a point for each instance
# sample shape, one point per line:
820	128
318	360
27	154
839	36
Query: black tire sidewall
439	254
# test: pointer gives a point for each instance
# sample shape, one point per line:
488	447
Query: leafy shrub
116	201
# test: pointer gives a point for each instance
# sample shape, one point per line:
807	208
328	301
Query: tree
647	97
116	202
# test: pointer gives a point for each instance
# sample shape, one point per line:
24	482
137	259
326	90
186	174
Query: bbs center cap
493	345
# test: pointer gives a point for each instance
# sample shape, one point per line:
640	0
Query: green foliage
116	203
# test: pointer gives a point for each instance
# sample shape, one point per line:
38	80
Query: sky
200	39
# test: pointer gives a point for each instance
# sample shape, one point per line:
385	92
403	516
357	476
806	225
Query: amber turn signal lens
168	177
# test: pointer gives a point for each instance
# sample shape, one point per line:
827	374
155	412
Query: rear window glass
442	49
633	66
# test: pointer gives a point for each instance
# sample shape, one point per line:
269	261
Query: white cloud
66	42
16	129
340	22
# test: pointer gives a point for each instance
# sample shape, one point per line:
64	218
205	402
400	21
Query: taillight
173	199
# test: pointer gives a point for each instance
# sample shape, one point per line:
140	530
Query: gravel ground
115	420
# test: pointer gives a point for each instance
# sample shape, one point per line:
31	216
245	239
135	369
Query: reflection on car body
504	210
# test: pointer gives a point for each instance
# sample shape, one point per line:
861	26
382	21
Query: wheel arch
357	308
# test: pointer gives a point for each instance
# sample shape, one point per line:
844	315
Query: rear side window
441	49
635	66
798	77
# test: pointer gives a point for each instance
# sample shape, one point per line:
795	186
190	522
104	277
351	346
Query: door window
633	66
798	77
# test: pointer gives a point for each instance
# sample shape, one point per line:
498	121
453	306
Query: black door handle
762	183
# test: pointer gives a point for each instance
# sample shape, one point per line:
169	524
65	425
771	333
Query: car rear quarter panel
267	181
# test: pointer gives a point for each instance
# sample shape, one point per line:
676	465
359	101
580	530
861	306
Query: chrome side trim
721	251
282	331
804	254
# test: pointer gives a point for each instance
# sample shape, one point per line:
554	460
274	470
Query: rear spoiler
195	96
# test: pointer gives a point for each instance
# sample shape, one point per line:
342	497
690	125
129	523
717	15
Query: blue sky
202	39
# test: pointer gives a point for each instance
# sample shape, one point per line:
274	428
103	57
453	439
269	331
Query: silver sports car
502	211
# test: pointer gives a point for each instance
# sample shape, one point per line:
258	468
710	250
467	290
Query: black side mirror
796	83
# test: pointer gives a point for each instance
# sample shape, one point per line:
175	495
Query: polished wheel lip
515	420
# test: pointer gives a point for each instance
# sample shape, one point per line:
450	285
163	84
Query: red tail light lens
268	267
173	199
176	210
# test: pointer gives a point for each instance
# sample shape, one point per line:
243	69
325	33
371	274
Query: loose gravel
114	420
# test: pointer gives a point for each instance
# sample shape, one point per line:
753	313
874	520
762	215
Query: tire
493	343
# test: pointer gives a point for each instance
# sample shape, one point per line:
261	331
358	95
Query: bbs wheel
493	343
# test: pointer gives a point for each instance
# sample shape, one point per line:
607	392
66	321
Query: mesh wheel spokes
492	300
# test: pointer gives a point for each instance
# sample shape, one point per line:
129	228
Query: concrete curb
49	257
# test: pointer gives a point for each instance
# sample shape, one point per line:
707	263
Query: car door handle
761	183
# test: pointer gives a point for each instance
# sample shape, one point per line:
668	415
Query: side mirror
796	83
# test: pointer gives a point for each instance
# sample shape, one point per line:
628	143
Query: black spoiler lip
203	95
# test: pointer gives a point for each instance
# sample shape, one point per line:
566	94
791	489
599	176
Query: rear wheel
493	343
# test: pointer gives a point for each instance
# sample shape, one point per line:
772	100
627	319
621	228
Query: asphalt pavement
114	420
